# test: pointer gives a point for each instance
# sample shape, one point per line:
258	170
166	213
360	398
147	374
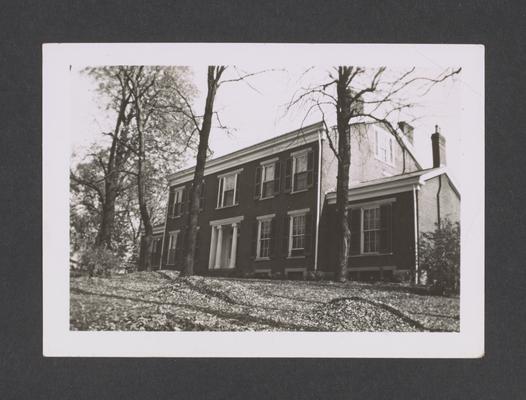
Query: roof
307	134
393	184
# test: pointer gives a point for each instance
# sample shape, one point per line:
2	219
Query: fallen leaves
162	301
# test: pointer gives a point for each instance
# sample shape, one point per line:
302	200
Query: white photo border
58	340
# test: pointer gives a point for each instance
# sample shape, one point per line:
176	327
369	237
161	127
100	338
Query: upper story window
228	190
177	202
300	171
384	147
267	179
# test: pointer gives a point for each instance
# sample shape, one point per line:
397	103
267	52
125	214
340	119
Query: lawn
162	301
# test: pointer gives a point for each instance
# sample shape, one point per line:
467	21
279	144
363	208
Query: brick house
268	209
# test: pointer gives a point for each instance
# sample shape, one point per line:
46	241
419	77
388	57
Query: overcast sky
256	112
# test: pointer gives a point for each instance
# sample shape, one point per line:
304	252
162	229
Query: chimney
407	130
438	143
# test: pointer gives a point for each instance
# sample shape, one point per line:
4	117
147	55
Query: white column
233	250
219	246
213	246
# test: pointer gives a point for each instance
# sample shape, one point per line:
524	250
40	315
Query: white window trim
178	193
271	161
220	194
261	219
172	234
294	155
265	164
293	214
362	233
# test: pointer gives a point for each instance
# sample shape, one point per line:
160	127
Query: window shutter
385	224
184	198
196	253
257	188
236	198
308	233
254	243
219	192
202	196
310	169
171	203
356	234
179	247
277	177
288	176
285	236
273	241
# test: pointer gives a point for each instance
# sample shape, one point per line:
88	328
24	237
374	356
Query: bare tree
202	125
360	95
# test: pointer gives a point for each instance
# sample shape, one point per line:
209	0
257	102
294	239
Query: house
269	209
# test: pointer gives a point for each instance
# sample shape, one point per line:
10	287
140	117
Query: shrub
439	257
315	276
99	261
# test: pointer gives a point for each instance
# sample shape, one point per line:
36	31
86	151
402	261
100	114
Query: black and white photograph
263	194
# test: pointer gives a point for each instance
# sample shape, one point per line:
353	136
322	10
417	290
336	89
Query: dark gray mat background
25	25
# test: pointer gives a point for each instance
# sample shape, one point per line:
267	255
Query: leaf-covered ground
163	301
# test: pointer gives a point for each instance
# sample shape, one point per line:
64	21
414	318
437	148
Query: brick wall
250	208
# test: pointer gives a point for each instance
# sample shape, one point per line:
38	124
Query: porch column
233	250
218	246
213	246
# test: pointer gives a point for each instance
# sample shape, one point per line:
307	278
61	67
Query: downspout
438	199
318	201
164	231
415	212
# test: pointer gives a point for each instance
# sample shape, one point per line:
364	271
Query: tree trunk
343	114
214	74
111	178
141	187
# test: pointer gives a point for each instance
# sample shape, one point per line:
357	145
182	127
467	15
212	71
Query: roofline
304	135
401	184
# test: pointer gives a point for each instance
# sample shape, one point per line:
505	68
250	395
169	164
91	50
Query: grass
162	301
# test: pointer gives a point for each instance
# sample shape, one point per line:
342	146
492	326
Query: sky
256	111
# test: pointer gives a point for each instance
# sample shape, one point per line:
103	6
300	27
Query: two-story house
268	209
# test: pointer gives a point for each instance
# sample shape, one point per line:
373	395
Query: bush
315	276
99	261
439	257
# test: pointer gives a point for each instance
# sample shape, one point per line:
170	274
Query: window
267	179
265	229
300	172
297	234
172	245
371	230
267	184
376	229
384	147
228	190
177	204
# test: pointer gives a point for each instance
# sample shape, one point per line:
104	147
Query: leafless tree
202	125
360	96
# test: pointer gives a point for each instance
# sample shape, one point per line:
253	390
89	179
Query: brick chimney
438	143
407	130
